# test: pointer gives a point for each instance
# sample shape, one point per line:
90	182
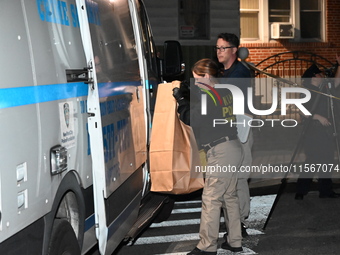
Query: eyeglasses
222	49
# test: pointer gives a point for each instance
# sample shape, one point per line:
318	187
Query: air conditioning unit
282	31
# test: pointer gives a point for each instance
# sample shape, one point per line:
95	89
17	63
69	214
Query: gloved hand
176	92
183	92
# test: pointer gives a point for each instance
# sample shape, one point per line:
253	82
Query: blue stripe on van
12	97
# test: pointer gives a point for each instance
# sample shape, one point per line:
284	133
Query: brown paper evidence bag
173	149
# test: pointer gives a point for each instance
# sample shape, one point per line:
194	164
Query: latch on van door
77	75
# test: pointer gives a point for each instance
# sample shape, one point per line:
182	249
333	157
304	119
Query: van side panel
57	46
41	108
37	50
18	124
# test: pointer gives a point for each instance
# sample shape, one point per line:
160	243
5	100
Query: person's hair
232	39
205	66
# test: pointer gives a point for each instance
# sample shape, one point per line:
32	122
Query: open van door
119	107
95	130
117	118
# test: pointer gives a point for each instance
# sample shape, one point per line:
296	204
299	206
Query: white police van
76	112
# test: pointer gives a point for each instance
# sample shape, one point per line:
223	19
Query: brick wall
328	49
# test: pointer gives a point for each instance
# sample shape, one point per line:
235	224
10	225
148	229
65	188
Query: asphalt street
306	227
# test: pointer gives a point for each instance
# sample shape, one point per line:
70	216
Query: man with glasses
238	74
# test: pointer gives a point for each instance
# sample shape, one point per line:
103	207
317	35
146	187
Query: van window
149	45
113	43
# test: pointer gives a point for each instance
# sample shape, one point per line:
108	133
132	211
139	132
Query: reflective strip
13	97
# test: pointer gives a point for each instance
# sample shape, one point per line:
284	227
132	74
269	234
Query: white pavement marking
172	223
166	239
259	209
189	202
258	206
246	251
188	210
169	238
179	238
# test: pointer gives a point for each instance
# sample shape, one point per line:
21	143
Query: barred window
194	19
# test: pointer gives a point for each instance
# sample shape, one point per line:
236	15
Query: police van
78	81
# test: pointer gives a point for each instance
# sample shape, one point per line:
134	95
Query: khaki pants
242	184
242	188
220	192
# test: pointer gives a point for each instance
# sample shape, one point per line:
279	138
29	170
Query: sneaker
197	251
227	246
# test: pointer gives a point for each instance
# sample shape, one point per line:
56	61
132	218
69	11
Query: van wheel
63	240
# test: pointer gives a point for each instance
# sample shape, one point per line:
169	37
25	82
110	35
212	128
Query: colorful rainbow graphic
210	94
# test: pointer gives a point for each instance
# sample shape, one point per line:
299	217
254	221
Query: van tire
63	239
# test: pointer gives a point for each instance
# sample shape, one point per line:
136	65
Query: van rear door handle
76	75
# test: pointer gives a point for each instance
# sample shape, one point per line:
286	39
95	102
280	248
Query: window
306	16
249	19
149	45
310	18
194	19
279	11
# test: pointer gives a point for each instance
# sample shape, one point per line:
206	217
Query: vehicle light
58	159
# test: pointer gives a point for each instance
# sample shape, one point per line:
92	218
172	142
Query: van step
151	205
